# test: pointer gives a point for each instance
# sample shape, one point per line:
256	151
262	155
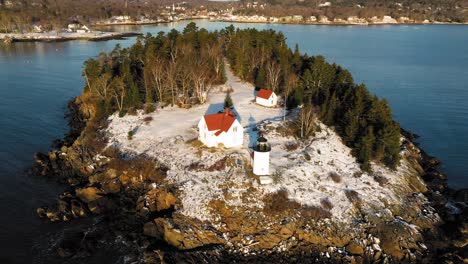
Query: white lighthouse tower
261	157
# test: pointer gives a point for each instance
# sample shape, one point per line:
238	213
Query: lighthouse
261	157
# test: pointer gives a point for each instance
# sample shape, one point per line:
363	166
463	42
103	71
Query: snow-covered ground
304	172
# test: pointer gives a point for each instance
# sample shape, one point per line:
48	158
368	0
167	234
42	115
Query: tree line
175	68
363	121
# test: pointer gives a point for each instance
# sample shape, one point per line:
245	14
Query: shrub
196	166
279	202
290	146
218	165
139	167
314	212
335	177
130	134
357	174
326	203
353	197
307	156
381	180
149	108
147	119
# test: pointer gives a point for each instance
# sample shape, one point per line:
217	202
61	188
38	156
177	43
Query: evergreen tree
390	138
228	101
365	148
149	101
299	96
260	79
308	86
351	127
328	113
296	59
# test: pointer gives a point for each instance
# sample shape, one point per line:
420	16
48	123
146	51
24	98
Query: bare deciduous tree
273	73
119	92
201	81
101	85
215	53
306	121
158	74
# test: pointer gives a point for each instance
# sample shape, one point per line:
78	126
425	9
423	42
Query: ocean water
422	70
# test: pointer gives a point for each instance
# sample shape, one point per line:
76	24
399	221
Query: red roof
221	121
265	94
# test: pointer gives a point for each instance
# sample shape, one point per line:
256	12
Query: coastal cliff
177	201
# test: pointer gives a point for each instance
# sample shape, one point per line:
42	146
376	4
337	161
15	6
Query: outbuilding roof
265	94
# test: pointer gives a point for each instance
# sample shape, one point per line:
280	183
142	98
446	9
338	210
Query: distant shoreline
341	23
331	23
52	37
103	36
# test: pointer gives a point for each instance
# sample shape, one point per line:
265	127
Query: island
230	146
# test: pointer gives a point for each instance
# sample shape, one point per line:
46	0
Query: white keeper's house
266	98
221	128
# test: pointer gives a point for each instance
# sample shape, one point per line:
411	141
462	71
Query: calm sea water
421	70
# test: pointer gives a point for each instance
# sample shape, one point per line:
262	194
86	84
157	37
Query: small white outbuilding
266	98
221	128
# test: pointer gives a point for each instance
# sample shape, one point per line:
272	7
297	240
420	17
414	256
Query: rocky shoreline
135	204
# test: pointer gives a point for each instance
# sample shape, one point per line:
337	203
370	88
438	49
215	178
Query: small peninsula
230	146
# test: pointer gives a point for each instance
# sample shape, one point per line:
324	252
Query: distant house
221	128
83	29
73	27
37	28
121	18
325	4
266	98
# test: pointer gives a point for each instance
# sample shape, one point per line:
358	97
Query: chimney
226	111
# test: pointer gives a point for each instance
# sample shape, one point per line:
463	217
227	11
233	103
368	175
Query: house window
234	129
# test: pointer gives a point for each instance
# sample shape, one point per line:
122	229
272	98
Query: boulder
53	215
286	231
355	248
88	194
111	186
110	174
158	200
395	237
184	238
41	212
77	209
101	205
268	241
154	228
